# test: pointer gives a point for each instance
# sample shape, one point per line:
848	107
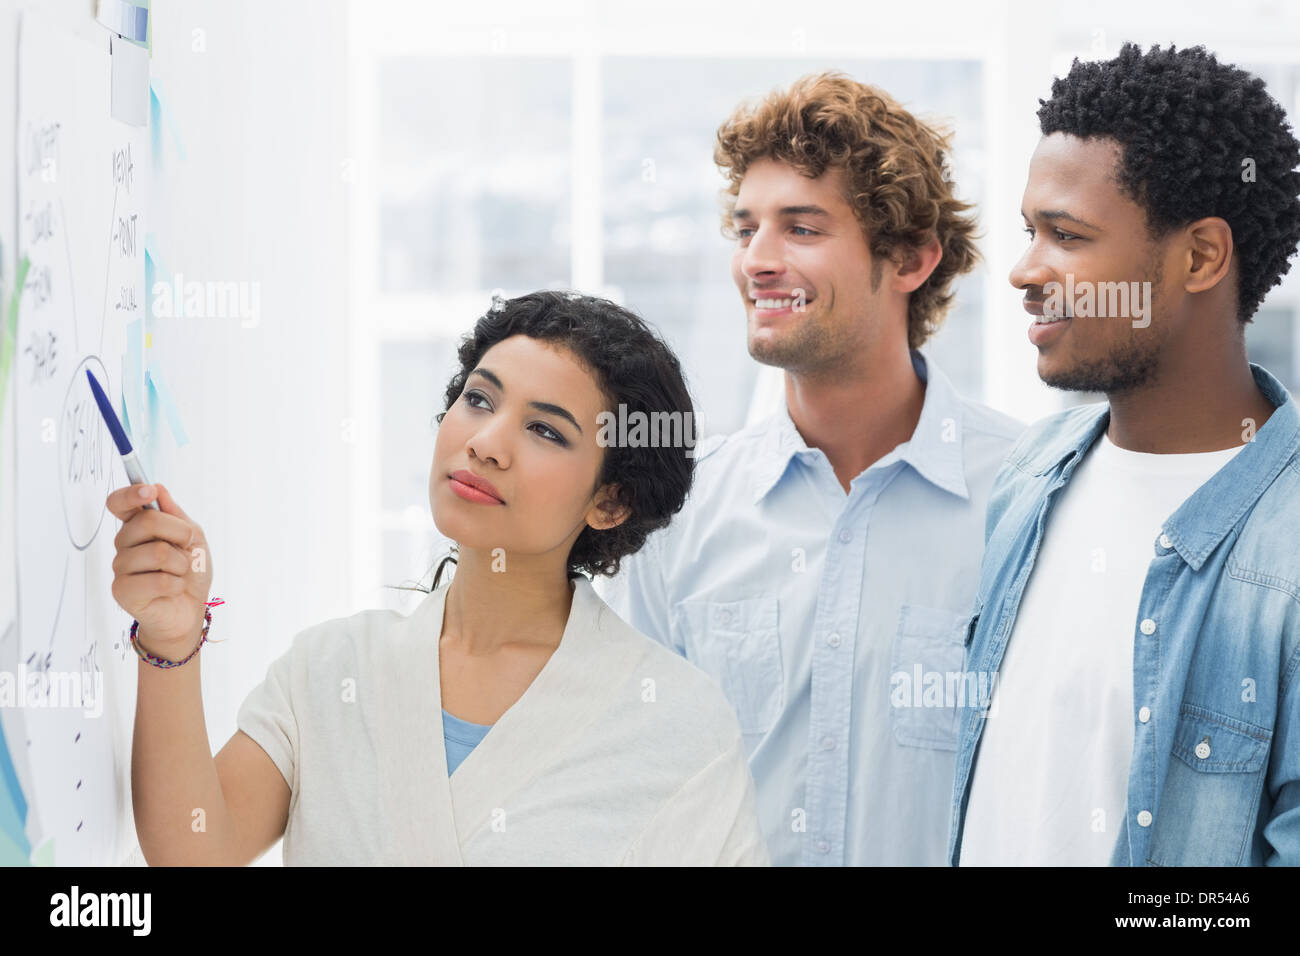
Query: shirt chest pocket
926	678
1211	794
738	644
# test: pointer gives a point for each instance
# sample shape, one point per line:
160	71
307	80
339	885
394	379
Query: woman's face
524	428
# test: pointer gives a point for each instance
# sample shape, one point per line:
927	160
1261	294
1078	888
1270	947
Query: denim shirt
1215	773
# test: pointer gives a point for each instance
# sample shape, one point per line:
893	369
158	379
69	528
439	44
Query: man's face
1086	237
803	268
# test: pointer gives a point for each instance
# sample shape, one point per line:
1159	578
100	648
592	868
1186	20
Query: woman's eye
1029	231
549	433
471	397
804	230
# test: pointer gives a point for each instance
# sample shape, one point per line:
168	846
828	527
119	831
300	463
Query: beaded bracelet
157	661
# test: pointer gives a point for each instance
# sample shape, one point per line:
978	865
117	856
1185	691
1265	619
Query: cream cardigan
619	752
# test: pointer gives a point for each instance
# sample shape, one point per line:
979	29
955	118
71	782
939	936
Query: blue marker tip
134	470
110	416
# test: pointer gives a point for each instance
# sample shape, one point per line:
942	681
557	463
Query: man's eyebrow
540	406
786	211
1055	215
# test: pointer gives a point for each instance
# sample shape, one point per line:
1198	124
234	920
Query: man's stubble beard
811	345
1131	364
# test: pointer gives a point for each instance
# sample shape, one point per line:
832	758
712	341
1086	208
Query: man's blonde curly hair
895	167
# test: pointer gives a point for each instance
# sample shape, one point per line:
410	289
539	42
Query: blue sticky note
125	418
159	393
10	779
133	382
13	853
13	806
155	128
158	115
150	271
12	826
151	253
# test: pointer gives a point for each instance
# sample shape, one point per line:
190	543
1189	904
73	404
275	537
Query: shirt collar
1205	518
934	450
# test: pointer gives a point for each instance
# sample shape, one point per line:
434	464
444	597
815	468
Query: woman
587	742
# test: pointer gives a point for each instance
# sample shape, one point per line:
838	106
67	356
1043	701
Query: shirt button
823	846
828	743
1203	748
1144	714
833	640
1147	627
846	536
1165	542
1144	818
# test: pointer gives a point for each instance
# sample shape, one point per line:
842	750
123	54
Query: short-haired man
825	564
1140	595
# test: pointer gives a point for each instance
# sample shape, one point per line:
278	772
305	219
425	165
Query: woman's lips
472	488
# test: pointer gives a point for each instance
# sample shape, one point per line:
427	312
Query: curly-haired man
1140	595
824	567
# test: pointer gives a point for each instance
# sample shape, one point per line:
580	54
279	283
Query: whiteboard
81	184
247	178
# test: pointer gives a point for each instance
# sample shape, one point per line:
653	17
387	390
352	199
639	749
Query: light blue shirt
817	611
1215	774
460	737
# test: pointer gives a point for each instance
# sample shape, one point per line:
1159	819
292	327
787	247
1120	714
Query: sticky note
127	20
155	128
159	393
11	853
130	96
9	778
12	826
133	386
13	808
159	116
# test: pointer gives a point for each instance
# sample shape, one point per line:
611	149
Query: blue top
1215	775
460	737
809	606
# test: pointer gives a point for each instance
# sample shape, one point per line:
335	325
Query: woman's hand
163	571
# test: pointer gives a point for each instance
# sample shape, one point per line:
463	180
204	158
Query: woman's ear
606	512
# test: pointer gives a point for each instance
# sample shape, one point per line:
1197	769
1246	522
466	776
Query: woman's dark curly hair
634	368
1187	126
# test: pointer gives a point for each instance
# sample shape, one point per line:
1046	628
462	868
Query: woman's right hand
163	571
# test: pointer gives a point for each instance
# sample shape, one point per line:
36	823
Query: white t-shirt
619	752
1051	774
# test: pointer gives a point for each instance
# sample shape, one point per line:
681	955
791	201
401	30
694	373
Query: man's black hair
1198	138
